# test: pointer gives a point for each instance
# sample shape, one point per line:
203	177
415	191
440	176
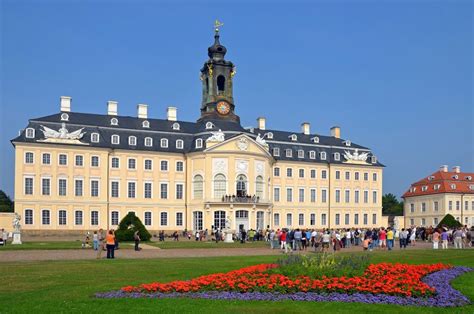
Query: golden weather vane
217	24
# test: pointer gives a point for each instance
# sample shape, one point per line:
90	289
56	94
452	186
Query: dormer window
199	143
322	155
30	133
373	159
453	186
64	117
436	186
288	153
312	154
164	143
412	189
468	178
294	137
300	153
315	139
179	144
276	151
132	140
114	121
455	177
270	135
95	137
430	178
347	143
175	126
148	142
471	187
115	139
146	124
209	125
337	156
424	188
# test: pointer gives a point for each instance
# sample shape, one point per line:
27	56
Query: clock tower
217	79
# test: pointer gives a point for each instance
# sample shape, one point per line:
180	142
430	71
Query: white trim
92	137
144	164
132	140
33	158
150	139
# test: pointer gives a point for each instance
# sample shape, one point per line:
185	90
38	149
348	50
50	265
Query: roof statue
356	157
62	135
216	136
261	140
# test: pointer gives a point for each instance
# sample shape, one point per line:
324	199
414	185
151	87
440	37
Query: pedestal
228	238
16	237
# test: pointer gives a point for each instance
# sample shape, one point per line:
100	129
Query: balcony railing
240	199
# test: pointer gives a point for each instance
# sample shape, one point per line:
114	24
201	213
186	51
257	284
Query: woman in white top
413	236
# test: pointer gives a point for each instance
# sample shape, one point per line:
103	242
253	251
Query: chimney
142	111
112	108
172	113
336	132
457	169
305	128
261	123
66	103
443	168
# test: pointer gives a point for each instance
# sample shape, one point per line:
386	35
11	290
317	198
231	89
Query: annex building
82	171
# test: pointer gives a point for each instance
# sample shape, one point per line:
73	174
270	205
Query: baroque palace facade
79	171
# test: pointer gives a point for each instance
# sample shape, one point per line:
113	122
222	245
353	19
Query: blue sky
395	75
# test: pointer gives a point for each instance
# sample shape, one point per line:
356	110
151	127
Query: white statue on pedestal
16	229
228	233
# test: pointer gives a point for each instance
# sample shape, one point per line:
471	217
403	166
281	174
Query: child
366	244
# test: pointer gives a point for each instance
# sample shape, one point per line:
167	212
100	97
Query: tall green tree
391	205
6	204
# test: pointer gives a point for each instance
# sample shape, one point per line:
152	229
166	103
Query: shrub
127	227
449	221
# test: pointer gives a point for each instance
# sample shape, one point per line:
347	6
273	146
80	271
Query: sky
396	76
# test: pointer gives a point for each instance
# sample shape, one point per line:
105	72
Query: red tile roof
443	182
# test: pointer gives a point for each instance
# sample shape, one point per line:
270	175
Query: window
322	155
450	205
288	153
115	139
423	207
289	219
373	159
46	159
289	172
147	189
301	195
63	160
436	206
29	158
113	121
366	219
163	219
315	139
356	219
28	216
356	176
347	143
324	196
313	173
374	177
366	176
175	126
466	205
435	221
366	197
197	221
347	196
348	175
131	189
289	194
374	197
312	154
458	205
164	165
338	196
78	187
179	219
219	219
241	187
312	219
338	219
148	164
199	143
179	191
270	135
62	187
276	151
115	162
95	137
94	218
323	219
179	166
312	193
115	218
146	124
356	196
114	189
293	137
374	219
424	188
346	219
95	161
301	219
79	161
301	173
276	219
62	219
164	143
276	194
45	186
148	142
78	217
45	217
412	208
164	191
276	172
337	156
198	187
338	175
30	133
324	174
147	218
132	163
412	221
300	153
94	188
259	187
179	144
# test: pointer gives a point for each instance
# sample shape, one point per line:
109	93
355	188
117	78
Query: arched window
220	83
198	186
259	187
146	124
219	219
241	186
220	184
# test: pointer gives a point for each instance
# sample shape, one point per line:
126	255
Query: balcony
232	199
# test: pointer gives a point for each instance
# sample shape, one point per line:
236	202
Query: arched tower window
241	186
219	185
220	83
198	186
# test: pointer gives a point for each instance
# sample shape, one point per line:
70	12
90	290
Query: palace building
444	192
83	171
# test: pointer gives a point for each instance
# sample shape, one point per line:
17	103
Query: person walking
101	243
435	237
284	246
413	236
326	238
110	244
136	238
457	237
390	236
95	241
403	238
444	239
382	238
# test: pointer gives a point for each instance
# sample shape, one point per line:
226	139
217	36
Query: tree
127	227
391	206
6	204
449	222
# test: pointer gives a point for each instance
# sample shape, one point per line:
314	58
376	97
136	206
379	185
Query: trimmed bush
449	221
128	226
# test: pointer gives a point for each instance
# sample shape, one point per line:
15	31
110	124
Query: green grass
68	286
207	244
53	245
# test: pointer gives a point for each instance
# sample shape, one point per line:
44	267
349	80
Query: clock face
223	107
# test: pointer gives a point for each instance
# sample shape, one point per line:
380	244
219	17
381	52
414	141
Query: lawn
68	286
53	245
207	244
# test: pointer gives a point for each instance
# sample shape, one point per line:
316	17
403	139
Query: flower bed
381	283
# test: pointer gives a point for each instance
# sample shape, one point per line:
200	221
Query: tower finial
217	24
